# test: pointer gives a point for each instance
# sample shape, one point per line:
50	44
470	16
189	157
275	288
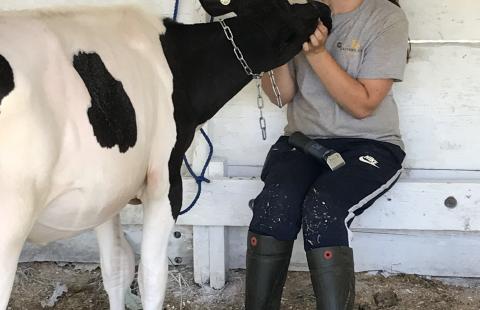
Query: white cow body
47	191
71	197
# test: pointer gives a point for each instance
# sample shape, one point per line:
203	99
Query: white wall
443	20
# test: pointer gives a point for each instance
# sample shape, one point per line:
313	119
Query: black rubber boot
333	277
267	267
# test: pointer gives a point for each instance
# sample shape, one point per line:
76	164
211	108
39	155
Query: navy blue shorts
301	192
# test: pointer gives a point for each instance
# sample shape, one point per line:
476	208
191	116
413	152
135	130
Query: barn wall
409	230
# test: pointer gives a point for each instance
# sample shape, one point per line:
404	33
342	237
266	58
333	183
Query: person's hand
316	44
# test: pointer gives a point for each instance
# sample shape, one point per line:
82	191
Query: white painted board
446	254
438	105
84	248
443	19
409	205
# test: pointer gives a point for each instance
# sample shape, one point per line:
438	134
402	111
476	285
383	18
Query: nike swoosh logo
369	160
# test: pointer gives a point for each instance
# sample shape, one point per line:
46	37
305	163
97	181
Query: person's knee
276	214
323	221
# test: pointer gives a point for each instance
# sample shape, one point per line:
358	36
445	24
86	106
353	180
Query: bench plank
410	205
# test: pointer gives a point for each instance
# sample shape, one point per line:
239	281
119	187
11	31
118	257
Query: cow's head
277	29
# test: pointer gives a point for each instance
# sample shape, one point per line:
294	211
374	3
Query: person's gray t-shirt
370	42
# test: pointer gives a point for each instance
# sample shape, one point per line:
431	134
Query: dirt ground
68	286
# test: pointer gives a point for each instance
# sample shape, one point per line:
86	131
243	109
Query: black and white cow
87	122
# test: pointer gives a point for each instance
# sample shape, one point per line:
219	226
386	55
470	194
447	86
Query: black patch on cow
111	115
7	83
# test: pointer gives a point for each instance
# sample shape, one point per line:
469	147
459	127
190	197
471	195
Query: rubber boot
267	267
333	277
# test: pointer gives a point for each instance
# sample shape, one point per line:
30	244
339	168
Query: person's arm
285	82
359	97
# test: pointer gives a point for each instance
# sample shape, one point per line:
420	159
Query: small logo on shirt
369	160
355	47
355	44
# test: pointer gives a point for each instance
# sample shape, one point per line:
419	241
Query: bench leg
201	255
210	255
218	256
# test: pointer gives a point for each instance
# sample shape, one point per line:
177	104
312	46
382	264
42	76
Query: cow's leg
153	270
117	262
15	225
8	266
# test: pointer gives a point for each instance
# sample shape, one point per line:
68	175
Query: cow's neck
206	73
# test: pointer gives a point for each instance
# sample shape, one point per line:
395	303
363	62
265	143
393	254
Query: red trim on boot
328	255
253	241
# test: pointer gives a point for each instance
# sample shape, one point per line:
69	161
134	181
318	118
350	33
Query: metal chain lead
276	91
260	102
260	105
236	50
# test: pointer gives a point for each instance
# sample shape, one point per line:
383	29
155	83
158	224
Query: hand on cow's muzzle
317	40
325	14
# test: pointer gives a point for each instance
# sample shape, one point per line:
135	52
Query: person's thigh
336	197
288	174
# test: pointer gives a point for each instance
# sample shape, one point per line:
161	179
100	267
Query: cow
98	106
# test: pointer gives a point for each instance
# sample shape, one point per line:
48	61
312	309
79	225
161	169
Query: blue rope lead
175	10
199	178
